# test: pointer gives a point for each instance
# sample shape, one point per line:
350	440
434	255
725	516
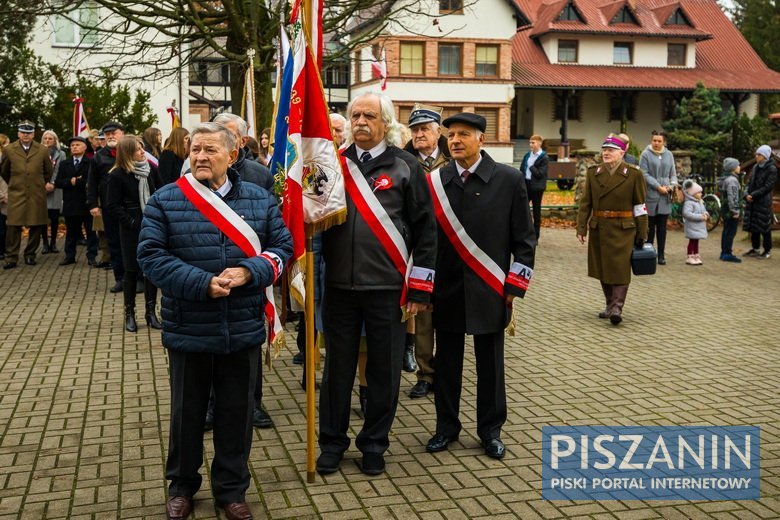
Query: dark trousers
491	394
54	224
233	377
111	226
535	198
657	224
3	218
73	234
13	242
344	313
727	238
755	240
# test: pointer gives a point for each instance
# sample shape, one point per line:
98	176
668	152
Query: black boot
130	323
45	250
410	364
151	317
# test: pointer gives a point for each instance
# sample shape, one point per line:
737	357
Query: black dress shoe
372	464
9	265
103	265
261	419
68	261
91	262
421	389
178	508
438	442
661	260
298	359
117	288
410	364
328	462
45	249
494	448
30	261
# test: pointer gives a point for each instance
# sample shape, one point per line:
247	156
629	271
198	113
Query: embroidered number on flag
520	276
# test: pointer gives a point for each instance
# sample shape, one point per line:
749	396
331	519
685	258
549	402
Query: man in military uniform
26	167
485	259
430	148
613	209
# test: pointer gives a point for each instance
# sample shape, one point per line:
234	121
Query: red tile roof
725	60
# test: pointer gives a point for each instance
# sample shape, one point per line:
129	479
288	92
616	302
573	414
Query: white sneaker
697	258
691	260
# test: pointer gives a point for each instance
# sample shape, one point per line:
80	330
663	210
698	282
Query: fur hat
692	187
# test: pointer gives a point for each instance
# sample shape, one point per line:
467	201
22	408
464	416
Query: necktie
365	157
76	162
465	175
429	162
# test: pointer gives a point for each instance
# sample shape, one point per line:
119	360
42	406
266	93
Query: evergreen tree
759	22
702	126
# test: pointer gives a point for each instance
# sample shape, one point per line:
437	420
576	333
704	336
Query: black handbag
643	259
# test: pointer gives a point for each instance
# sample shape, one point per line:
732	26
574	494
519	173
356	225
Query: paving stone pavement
84	406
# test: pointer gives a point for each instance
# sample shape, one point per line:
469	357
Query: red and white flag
314	187
379	69
80	125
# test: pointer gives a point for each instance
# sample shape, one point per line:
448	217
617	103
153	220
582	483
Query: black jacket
97	181
758	214
74	197
354	257
170	167
254	172
493	208
539	168
122	201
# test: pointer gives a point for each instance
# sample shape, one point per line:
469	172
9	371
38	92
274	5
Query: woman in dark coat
131	182
177	148
758	210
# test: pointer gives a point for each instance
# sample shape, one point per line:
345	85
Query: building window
567	51
337	75
616	106
72	30
624	16
449	60
675	54
569	13
487	60
677	18
491	117
623	53
668	107
209	72
412	58
450	6
574	107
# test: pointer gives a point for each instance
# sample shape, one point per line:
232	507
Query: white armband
640	209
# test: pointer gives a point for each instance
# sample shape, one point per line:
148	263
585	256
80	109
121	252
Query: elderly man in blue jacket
212	244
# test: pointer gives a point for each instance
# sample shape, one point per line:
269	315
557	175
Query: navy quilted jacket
179	250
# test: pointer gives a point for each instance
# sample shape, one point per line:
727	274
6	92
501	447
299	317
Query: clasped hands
220	285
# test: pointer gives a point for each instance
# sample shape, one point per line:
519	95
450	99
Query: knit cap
730	164
692	187
764	150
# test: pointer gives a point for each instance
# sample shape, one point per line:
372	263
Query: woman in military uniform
613	210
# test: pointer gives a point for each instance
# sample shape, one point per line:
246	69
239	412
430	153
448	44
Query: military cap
424	114
111	126
467	118
613	141
26	127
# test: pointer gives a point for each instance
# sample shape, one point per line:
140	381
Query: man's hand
218	287
412	308
581	238
237	276
95	212
49	187
509	299
749	198
73	180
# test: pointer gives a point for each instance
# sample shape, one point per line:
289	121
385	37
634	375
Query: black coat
354	257
74	197
758	214
539	168
97	181
493	208
254	172
124	205
170	167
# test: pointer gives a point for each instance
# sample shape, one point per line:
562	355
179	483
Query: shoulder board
633	167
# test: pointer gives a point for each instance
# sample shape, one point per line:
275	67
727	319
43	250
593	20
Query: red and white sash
236	229
477	260
385	231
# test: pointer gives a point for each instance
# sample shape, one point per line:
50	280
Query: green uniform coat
612	239
26	175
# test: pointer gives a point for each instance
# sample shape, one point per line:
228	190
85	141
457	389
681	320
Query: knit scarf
141	172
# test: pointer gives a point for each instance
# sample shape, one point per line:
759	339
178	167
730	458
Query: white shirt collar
224	189
433	155
375	151
472	168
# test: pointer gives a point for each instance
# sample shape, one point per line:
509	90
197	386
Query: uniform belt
613	214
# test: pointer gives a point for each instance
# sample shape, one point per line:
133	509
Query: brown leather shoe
178	508
237	511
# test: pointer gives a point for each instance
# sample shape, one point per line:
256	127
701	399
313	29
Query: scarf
141	172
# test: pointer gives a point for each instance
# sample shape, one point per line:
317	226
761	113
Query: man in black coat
249	169
97	197
364	281
72	180
476	282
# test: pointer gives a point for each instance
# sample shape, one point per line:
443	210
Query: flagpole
310	342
